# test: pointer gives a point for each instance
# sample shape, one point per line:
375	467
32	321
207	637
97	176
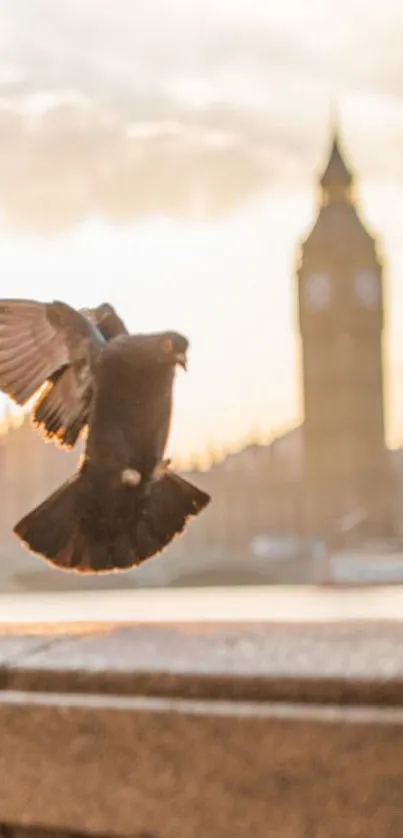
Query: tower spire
336	179
334	119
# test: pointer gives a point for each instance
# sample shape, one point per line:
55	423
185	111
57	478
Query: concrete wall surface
199	731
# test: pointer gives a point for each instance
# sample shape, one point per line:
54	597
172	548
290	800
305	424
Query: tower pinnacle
337	178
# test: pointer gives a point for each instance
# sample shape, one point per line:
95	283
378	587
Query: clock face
318	290
367	288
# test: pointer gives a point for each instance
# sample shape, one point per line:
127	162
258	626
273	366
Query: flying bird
85	371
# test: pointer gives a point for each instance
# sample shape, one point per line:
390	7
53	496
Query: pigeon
125	503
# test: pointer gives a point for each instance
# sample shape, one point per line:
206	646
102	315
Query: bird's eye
168	346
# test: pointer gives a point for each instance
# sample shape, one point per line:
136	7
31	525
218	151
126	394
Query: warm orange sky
213	124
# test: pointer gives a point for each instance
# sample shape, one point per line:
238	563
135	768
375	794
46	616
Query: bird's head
172	349
155	351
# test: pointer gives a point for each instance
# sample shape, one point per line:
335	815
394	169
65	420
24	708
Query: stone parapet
202	731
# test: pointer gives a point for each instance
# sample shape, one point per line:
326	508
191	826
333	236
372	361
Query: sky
164	156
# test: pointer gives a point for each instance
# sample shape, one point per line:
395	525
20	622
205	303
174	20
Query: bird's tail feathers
50	528
96	530
171	501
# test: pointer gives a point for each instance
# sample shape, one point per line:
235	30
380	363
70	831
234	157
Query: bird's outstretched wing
62	409
47	343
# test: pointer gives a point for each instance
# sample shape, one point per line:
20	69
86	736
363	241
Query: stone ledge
196	730
338	663
8	831
180	768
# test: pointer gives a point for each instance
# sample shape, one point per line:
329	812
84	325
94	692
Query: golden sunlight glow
218	262
229	286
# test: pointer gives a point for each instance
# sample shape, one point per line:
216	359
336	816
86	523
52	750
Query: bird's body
121	507
132	426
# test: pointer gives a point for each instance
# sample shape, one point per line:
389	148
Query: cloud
127	47
122	110
74	160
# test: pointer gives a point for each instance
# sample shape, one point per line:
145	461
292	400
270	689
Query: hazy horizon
167	163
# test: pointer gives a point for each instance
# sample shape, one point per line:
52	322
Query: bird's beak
181	359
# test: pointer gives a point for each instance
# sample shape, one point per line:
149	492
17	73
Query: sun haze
171	169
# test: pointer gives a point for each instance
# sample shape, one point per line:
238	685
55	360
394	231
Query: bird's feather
115	528
36	340
62	409
29	349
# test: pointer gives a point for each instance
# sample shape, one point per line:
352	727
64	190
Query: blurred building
333	477
330	480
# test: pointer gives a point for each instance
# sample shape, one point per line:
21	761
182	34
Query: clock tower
340	308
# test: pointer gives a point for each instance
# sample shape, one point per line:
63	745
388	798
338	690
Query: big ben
341	318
